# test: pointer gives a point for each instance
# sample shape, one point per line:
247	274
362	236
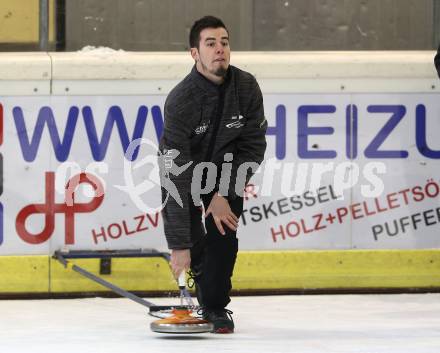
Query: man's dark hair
200	25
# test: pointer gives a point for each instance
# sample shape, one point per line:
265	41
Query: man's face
213	54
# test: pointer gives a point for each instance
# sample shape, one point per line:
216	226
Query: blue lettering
351	130
372	150
29	147
421	143
45	116
114	116
62	140
279	131
157	121
304	131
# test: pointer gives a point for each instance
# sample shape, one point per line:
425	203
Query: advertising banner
341	171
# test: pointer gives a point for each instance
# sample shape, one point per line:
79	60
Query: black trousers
213	256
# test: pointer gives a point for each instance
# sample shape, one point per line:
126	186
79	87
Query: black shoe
221	318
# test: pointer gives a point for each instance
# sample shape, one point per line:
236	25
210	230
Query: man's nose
219	48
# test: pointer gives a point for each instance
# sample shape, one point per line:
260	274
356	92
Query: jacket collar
207	85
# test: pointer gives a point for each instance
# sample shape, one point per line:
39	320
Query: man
437	61
214	115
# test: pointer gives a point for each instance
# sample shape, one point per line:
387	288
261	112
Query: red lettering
318	218
49	214
249	191
127	232
112	226
418	195
367	211
356	211
154	222
405	195
297	231
341	212
378	208
392	200
306	231
275	234
141	219
50	208
96	235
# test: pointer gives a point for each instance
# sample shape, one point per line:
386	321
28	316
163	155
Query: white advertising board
342	171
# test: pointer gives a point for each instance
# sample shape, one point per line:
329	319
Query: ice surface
304	323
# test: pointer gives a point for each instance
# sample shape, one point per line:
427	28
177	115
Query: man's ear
195	54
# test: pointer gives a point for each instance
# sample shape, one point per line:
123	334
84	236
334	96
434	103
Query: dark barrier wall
163	25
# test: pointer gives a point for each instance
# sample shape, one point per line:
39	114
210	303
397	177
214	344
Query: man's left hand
222	213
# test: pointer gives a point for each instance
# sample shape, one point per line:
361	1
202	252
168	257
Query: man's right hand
180	261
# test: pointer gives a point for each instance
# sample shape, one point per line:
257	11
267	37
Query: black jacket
437	61
203	121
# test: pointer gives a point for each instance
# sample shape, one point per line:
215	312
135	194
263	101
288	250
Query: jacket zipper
218	118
